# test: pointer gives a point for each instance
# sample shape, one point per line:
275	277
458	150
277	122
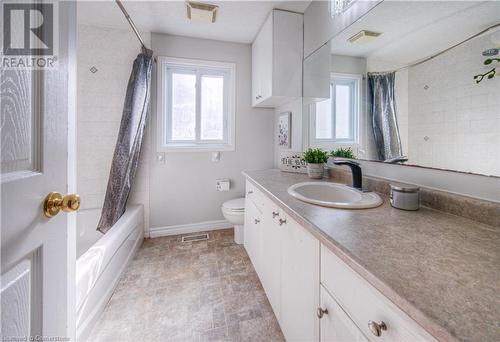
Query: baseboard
189	228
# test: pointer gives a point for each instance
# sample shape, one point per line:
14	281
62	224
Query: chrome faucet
356	172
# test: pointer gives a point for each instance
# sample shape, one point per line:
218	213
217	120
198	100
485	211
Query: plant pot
315	170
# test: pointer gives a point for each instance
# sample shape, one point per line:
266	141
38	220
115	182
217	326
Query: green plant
343	153
315	156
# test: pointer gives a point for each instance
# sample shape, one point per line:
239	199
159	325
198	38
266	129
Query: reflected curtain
129	142
384	116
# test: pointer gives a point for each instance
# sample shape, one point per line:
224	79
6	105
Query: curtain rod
132	25
440	52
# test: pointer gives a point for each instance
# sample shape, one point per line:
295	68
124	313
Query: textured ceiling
237	21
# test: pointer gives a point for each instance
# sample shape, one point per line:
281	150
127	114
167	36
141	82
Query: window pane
212	107
183	106
342	112
324	119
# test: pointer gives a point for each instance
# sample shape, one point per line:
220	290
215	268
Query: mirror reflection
414	83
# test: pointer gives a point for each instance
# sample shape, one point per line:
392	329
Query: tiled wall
100	101
455	122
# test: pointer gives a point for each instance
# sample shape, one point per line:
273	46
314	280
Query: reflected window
335	120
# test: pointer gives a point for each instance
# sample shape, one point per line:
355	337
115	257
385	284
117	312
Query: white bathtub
101	259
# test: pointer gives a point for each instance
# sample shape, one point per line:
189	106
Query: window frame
166	66
354	81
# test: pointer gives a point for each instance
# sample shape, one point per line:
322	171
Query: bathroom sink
334	195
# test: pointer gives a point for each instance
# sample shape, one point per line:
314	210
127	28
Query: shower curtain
383	115
129	142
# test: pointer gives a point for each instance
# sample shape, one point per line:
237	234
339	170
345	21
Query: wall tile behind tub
100	101
454	121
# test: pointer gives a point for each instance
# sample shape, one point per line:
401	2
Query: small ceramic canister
404	196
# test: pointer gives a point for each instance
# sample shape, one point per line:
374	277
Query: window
196	105
335	120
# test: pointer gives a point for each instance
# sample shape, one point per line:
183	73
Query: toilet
234	211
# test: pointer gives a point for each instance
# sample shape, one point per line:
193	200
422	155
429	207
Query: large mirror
412	82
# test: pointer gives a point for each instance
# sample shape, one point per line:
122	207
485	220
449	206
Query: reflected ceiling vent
203	13
364	37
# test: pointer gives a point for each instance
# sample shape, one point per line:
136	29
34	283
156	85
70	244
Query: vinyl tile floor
189	291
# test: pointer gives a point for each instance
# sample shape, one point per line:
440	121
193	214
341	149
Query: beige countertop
441	269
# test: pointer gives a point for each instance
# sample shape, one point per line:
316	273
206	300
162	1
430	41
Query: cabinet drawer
363	303
335	325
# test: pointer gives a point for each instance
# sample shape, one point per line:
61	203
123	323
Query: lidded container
404	196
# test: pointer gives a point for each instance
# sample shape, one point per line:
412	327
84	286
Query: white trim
206	146
189	228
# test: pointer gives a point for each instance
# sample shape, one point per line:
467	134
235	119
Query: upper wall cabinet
277	60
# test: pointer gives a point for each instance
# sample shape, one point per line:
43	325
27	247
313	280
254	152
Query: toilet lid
237	204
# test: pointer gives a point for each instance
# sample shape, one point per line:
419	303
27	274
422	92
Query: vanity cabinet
366	306
314	294
286	258
277	60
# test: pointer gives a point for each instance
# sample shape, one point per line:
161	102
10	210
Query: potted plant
316	159
343	153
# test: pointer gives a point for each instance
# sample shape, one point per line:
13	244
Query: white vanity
314	294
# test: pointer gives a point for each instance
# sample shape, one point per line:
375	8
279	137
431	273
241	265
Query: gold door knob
55	202
377	328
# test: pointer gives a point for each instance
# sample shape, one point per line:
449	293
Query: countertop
442	270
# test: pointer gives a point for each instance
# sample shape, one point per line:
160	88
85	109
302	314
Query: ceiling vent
204	13
363	37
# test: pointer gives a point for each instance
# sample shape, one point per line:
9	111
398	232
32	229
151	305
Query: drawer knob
250	192
257	221
321	312
282	221
275	213
377	328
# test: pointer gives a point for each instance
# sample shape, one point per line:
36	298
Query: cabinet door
256	65
335	325
252	242
271	256
299	282
266	58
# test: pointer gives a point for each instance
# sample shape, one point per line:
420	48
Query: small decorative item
284	125
316	159
490	74
292	162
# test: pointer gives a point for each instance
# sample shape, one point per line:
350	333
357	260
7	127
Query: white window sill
196	148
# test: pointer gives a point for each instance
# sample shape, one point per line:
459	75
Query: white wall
182	190
295	107
100	98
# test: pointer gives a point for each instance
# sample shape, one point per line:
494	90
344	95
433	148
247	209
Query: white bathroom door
38	253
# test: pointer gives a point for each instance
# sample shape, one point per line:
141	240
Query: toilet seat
235	205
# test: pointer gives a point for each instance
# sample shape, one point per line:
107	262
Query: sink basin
334	195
